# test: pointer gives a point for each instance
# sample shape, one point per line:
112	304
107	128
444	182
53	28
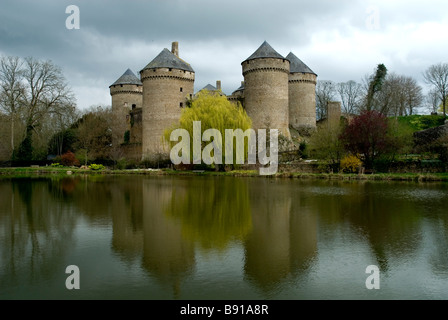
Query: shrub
127	137
350	164
96	167
68	159
57	165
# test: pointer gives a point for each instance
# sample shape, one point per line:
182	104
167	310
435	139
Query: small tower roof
297	66
209	87
241	88
265	51
166	59
127	78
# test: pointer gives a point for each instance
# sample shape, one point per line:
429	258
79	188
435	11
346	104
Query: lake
205	237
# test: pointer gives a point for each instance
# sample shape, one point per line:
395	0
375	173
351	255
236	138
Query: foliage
93	135
57	165
214	112
401	137
350	164
127	136
96	167
304	149
375	84
25	150
38	102
367	135
68	159
421	122
62	141
325	144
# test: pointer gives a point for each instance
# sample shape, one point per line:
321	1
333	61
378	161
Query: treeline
39	117
388	93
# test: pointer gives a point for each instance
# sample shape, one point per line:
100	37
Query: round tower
126	92
126	95
168	82
266	89
302	95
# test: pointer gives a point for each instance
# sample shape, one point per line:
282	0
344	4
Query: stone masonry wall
302	100
165	92
266	93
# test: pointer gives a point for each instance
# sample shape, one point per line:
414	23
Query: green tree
368	135
325	144
375	85
93	135
215	112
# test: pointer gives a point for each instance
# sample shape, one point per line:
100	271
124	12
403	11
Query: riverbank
36	171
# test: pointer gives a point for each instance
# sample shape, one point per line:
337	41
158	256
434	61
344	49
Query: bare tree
325	92
432	100
31	91
413	94
93	134
399	96
58	124
350	94
12	90
47	91
437	76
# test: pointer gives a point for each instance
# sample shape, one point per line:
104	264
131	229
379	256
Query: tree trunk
12	134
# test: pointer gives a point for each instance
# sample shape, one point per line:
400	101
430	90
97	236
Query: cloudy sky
340	40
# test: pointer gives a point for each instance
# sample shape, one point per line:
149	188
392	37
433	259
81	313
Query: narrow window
181	105
181	89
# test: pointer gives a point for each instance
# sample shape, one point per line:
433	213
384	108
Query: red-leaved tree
367	135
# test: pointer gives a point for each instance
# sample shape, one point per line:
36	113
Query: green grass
22	172
421	122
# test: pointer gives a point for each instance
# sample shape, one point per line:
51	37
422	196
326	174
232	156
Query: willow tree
214	111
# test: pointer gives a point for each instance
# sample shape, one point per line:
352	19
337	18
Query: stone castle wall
266	93
136	127
124	96
165	92
334	111
302	100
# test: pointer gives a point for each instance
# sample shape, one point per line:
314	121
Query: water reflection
288	231
166	254
36	231
284	236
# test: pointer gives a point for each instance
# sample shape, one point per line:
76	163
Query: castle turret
126	91
237	95
266	89
126	95
302	95
168	82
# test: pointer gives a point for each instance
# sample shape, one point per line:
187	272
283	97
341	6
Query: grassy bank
29	171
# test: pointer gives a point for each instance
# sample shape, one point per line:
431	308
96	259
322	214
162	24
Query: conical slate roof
297	66
240	88
127	78
265	51
166	59
209	87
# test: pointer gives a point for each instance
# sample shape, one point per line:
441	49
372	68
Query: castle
277	92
